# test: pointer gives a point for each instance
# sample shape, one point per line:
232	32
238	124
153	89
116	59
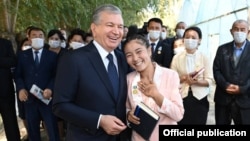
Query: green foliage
69	14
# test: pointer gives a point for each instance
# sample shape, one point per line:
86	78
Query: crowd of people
95	80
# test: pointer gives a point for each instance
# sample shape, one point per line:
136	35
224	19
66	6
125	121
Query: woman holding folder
195	74
156	86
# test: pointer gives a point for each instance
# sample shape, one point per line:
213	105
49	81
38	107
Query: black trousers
225	114
8	113
196	111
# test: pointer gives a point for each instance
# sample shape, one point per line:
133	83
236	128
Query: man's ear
93	29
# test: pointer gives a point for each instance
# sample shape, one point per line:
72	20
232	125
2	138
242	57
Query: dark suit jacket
7	62
26	73
163	54
225	72
83	92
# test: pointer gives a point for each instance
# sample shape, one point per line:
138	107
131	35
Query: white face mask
191	43
154	34
163	35
26	47
54	43
76	45
239	37
37	43
179	50
179	33
63	44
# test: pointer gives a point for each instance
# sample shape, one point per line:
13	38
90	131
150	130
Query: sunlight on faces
137	55
109	31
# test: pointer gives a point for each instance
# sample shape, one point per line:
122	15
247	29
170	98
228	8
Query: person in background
25	45
178	46
55	38
63	42
76	39
179	31
164	32
88	38
7	94
90	88
37	66
194	88
232	77
125	32
162	53
156	86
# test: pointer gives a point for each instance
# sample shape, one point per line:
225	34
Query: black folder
148	120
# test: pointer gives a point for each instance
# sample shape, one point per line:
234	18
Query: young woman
154	85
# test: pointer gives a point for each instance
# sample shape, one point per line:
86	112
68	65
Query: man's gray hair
104	8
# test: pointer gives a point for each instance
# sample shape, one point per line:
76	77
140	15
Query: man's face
36	34
108	32
154	26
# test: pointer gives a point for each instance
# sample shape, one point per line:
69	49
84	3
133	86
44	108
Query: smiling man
93	101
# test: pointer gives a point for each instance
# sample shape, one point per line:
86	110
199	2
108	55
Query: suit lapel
100	69
231	55
244	53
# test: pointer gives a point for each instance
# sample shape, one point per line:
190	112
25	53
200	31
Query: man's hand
47	93
23	95
112	125
233	89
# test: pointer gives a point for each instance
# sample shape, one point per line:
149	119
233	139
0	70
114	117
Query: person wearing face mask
162	53
179	30
55	38
76	39
194	69
178	46
164	32
231	73
37	66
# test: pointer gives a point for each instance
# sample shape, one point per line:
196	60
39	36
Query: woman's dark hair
19	47
195	28
56	31
76	31
132	30
140	39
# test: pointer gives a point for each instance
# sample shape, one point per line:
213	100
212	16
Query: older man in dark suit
7	93
232	76
37	66
90	87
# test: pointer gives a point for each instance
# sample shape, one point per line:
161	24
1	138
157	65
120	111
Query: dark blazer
7	62
83	92
163	54
7	91
26	73
225	72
